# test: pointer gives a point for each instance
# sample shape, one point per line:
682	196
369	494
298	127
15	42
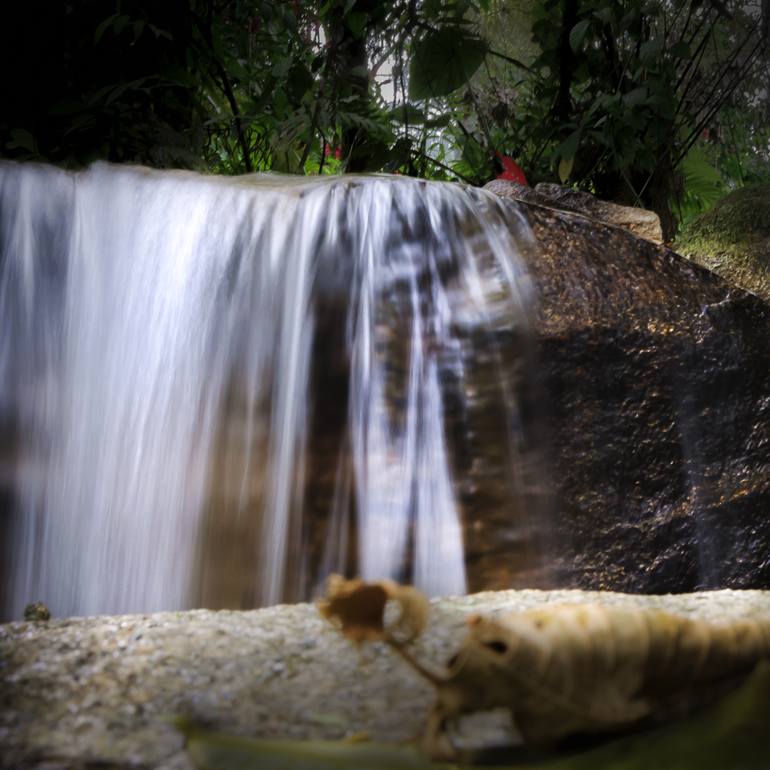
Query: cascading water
216	391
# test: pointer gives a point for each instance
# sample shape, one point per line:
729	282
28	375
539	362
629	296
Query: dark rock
655	376
37	611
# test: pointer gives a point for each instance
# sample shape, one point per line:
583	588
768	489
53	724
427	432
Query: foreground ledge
83	692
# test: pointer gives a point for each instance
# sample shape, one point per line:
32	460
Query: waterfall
243	377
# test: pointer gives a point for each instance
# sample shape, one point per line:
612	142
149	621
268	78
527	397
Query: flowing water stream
217	391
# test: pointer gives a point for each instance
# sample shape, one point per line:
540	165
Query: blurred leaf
439	121
21	139
606	14
356	23
431	8
120	23
681	50
703	185
568	148
407	113
650	51
635	97
281	67
578	33
138	27
300	81
103	27
400	153
732	735
217	751
630	19
443	61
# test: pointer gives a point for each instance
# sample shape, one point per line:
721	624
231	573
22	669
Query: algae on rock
733	239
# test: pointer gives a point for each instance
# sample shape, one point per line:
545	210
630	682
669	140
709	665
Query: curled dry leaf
570	669
563	669
357	608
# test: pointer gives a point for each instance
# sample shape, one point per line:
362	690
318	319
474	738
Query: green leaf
565	168
21	139
400	153
578	33
407	113
680	50
443	61
635	97
701	179
300	81
121	22
568	148
103	27
289	19
158	32
281	68
439	121
356	23
630	19
650	50
238	70
606	15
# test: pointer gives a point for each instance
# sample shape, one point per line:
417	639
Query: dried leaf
570	669
357	608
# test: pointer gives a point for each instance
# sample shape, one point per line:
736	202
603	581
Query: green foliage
703	184
607	95
619	92
443	61
234	86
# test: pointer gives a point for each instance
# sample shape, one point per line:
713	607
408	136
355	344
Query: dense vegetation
662	103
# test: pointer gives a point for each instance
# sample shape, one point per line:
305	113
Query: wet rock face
654	376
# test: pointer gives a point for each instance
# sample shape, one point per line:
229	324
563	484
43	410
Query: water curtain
216	391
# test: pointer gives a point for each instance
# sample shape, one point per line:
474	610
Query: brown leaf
569	669
357	608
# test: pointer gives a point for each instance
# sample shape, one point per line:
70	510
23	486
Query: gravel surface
82	692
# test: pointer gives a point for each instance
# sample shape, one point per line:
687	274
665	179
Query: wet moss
733	239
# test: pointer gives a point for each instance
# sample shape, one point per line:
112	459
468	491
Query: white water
131	302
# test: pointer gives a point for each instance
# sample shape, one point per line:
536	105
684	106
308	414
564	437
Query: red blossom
512	171
335	151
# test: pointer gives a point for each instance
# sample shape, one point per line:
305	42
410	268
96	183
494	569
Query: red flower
329	150
512	171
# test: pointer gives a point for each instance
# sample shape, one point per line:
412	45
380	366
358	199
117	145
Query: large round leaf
443	61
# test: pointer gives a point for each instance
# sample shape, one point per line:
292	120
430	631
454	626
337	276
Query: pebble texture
98	692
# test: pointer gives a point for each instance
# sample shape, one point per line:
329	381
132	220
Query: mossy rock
733	239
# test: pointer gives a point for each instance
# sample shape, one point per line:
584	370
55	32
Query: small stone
36	611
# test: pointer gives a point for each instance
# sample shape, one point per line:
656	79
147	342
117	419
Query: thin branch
511	60
438	163
224	79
